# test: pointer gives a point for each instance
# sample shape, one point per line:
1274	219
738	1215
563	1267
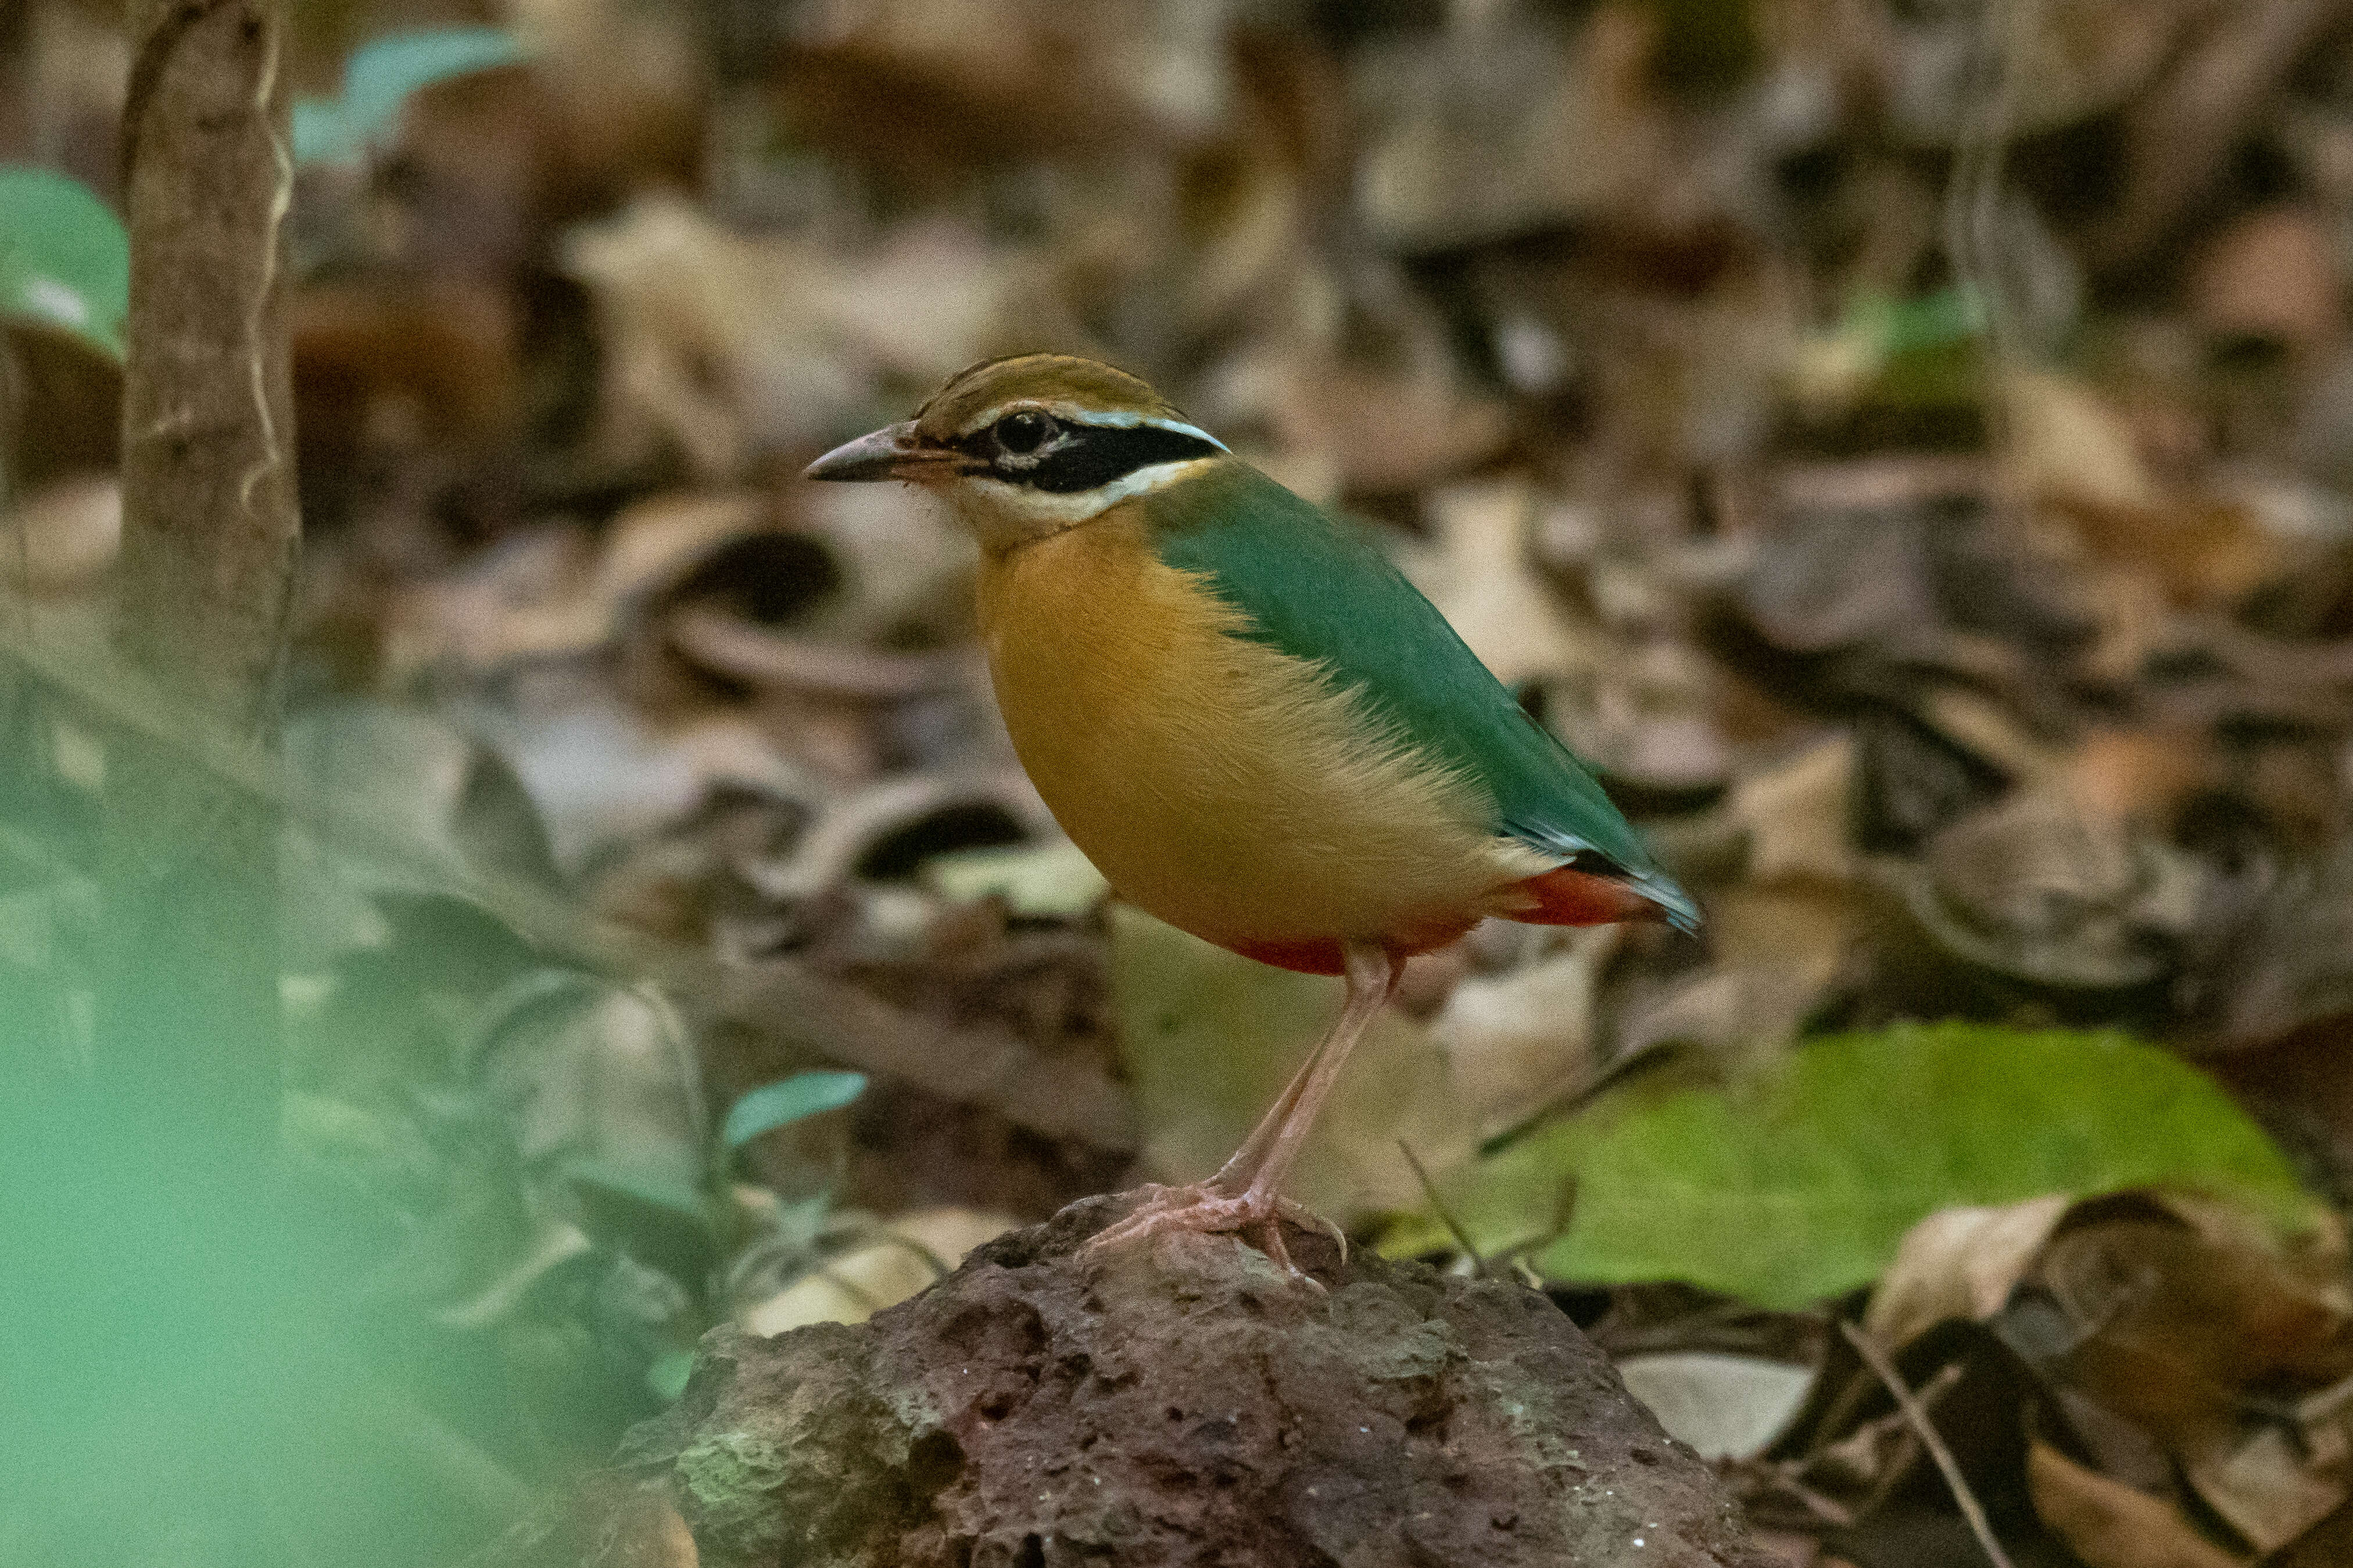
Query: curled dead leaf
2111	1525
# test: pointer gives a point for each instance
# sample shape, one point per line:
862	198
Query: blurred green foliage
493	1227
380	77
65	261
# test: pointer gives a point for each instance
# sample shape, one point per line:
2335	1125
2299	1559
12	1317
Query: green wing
1315	588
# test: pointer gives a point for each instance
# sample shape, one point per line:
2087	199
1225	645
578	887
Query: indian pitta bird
1248	719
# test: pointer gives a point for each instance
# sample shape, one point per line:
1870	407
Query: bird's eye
1023	431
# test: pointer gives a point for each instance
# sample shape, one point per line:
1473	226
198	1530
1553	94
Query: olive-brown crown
1065	385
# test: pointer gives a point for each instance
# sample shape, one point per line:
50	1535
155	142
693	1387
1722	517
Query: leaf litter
1955	580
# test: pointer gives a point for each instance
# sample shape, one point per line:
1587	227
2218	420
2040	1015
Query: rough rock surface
1179	1403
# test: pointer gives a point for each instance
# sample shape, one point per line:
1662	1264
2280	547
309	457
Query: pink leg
1243	1196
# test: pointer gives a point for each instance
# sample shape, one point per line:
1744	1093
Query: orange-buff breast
1223	785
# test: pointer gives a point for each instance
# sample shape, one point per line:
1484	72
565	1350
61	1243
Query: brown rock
1182	1403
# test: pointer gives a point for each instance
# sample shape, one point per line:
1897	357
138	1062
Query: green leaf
1797	1184
379	78
787	1101
65	262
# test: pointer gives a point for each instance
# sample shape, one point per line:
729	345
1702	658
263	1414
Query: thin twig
1876	1360
1445	1216
1973	229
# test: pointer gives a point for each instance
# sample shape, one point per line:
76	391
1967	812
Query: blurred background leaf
787	1101
379	78
65	262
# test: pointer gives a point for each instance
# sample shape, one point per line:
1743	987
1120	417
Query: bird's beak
890	453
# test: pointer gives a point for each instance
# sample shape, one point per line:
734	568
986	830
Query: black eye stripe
1087	456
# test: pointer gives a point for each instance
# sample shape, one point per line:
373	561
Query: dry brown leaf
1387	426
438	802
620	94
2111	1525
2140	776
525	600
848	829
742	651
384	366
2273	275
1479	578
2078	453
1514	1042
2328	1544
970	83
778	1009
1792	1549
2032	888
2266	1484
2171	1316
1796	814
724	346
906	569
600	1075
548	597
2070	445
654	542
2198	554
62	537
1561	120
605	774
2075	58
2186	1306
1959	1263
1992	731
1741	1012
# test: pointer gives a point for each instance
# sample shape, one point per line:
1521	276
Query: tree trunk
210	527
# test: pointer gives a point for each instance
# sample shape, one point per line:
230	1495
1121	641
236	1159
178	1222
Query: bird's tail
1570	895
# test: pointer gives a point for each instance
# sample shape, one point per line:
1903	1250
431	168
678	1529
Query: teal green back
1313	587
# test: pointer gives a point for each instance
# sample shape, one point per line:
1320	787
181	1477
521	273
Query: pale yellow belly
1217	783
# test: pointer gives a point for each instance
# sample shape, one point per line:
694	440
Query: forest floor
1914	468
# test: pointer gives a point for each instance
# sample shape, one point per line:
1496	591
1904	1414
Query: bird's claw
1257	1216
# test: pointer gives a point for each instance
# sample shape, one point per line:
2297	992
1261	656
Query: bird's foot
1254	1214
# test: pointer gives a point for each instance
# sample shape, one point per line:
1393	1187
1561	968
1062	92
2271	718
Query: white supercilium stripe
1102	418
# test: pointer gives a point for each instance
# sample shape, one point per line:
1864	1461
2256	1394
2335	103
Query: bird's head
1026	446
